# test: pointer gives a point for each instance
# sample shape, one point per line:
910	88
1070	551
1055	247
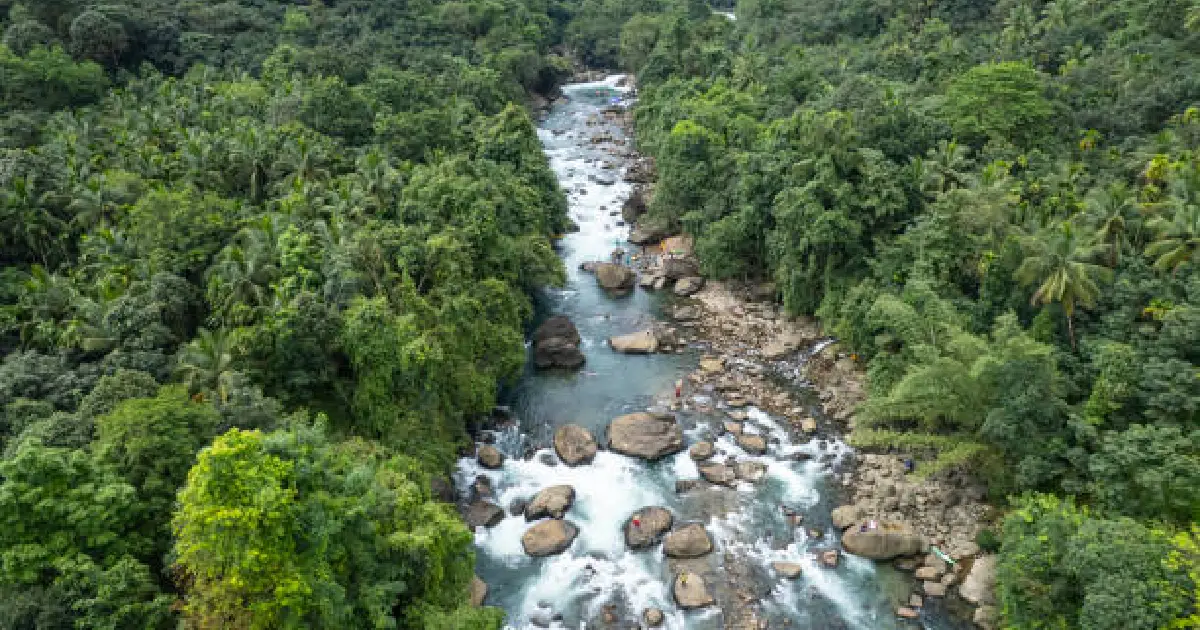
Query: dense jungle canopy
263	263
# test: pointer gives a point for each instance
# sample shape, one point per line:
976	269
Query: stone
685	287
517	507
979	587
679	267
986	617
752	443
718	474
482	514
634	207
691	591
688	541
831	558
649	436
552	502
490	457
916	601
556	344
688	314
653	617
732	428
646	282
787	570
934	589
808	425
647	233
701	451
712	365
686	485
928	573
479	591
549	538
441	489
614	277
481	487
845	516
886	541
904	612
660	283
752	472
643	342
574	445
652	524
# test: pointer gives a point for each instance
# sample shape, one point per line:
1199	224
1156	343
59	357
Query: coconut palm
1109	209
206	364
1058	263
1178	235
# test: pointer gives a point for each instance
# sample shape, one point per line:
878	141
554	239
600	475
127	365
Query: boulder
643	342
986	617
718	474
688	541
490	457
650	436
830	558
517	506
928	573
678	267
614	277
845	516
551	502
660	283
482	514
752	472
646	281
979	587
732	427
752	443
701	451
808	425
441	489
648	233
686	485
652	524
712	365
653	617
787	570
885	542
634	207
685	287
574	445
691	592
549	538
556	344
904	612
479	591
934	589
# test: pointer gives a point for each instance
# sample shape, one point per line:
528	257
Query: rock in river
750	471
490	457
701	451
718	474
787	570
574	445
645	435
482	514
752	443
479	591
647	234
690	591
653	617
886	541
644	342
549	538
688	286
646	527
615	277
556	344
553	502
688	541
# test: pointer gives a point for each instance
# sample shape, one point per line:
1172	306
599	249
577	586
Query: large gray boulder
888	540
548	538
551	502
556	344
750	471
652	524
679	267
614	277
634	207
718	474
752	443
691	591
481	513
979	587
648	233
642	342
846	515
688	541
650	436
574	445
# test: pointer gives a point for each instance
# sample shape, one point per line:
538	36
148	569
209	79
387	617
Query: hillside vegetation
996	207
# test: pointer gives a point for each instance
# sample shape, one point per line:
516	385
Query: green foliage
999	102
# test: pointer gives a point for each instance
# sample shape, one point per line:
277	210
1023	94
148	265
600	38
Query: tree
1177	237
1058	263
1109	209
97	37
999	101
206	364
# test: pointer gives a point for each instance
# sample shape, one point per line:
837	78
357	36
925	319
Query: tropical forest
268	270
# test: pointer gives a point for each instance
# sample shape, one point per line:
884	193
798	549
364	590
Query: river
597	574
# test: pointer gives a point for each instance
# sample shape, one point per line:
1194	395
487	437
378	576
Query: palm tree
1109	209
1178	236
1058	263
206	364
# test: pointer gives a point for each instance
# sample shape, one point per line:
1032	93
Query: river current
749	525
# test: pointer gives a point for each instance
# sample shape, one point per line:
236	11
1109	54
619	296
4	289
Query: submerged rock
574	445
688	541
647	526
650	436
549	538
551	502
690	591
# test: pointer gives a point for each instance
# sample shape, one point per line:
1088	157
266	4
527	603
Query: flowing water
748	524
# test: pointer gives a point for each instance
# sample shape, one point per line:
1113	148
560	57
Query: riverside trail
774	520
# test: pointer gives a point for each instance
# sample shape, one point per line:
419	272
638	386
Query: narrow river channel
598	582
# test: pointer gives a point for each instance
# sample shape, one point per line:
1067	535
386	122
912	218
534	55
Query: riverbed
597	582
